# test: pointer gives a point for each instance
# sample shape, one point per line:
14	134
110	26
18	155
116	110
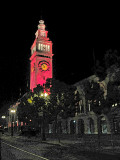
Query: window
99	103
103	125
91	126
81	106
89	105
39	46
44	47
48	48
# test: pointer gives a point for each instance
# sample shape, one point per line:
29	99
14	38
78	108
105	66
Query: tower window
48	48
43	47
39	46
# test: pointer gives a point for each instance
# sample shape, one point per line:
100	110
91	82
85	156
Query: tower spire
41	16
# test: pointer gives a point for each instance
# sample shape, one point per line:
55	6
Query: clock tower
41	57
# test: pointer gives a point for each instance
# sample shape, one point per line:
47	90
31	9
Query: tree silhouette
62	100
111	61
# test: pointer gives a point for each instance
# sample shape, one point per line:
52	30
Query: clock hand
43	66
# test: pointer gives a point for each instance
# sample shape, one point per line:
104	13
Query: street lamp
44	95
12	113
3	117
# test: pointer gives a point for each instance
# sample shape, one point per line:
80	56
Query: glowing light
42	94
12	111
17	124
3	117
29	101
112	105
46	94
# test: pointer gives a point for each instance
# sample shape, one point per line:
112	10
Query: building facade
41	57
85	122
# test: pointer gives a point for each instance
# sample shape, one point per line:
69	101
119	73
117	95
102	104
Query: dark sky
75	30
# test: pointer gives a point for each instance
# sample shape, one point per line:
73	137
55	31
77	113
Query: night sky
76	31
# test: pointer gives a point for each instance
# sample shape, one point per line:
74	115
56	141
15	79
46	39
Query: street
15	148
13	152
22	148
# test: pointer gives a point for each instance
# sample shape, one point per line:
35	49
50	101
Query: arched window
72	127
103	125
59	127
81	126
91	126
81	106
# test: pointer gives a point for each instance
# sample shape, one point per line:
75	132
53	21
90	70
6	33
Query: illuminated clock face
43	66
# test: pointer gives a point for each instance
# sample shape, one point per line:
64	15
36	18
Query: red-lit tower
41	57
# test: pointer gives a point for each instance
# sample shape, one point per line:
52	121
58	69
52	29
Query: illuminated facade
41	57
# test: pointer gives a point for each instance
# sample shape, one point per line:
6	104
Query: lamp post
44	95
12	114
4	123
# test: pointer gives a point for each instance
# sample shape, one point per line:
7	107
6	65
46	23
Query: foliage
59	102
29	106
112	58
110	61
62	99
110	67
100	70
5	107
95	95
113	95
